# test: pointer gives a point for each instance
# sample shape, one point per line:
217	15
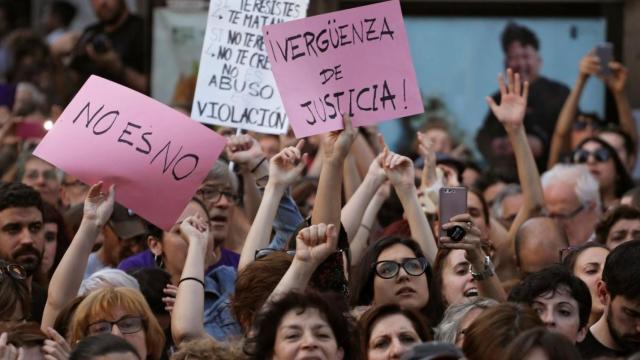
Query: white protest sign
235	86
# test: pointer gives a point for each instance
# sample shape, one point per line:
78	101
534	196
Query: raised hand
336	144
618	78
285	167
471	243
315	243
425	149
376	169
399	169
244	150
56	347
98	205
513	101
195	228
589	65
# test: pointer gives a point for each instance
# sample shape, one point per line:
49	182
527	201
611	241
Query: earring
157	259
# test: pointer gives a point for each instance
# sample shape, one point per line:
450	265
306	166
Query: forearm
351	178
570	107
295	279
359	244
529	177
260	230
329	195
352	212
251	195
627	122
188	310
420	230
363	153
490	287
67	278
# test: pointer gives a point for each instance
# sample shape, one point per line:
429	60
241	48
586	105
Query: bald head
538	244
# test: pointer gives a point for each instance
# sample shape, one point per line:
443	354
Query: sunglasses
580	125
388	269
581	156
262	253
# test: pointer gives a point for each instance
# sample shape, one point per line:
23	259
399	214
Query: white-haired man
572	197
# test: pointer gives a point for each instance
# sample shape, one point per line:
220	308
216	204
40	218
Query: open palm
513	100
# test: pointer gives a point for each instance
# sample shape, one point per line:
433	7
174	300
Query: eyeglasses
126	325
581	156
15	271
214	195
49	175
262	253
388	269
569	216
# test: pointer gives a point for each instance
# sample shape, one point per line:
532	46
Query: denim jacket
219	322
287	220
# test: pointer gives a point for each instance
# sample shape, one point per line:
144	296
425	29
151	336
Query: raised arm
360	243
352	212
313	245
245	151
335	148
616	83
188	310
284	169
399	170
66	280
510	113
560	142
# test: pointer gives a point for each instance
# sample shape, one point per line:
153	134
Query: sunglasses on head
581	156
15	271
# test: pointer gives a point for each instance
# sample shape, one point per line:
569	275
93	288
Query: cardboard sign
156	156
355	61
235	86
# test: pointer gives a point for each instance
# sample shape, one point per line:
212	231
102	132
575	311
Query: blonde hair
104	301
208	349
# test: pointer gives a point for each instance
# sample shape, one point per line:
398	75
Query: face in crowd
43	177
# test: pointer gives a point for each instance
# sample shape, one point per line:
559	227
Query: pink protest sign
155	155
354	61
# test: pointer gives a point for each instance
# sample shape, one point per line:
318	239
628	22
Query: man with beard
113	48
22	236
617	333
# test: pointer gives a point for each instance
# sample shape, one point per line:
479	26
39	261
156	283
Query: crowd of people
329	247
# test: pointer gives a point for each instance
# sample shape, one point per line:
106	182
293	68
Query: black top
546	98
591	348
128	41
38	301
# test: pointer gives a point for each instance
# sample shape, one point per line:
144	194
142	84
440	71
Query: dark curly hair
551	279
611	217
261	343
15	194
522	34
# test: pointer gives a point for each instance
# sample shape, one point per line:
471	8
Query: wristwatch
488	270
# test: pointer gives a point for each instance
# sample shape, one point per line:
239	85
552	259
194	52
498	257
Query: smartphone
30	130
604	52
453	201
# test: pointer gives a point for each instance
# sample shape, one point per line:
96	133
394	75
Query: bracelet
366	227
257	166
191	278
